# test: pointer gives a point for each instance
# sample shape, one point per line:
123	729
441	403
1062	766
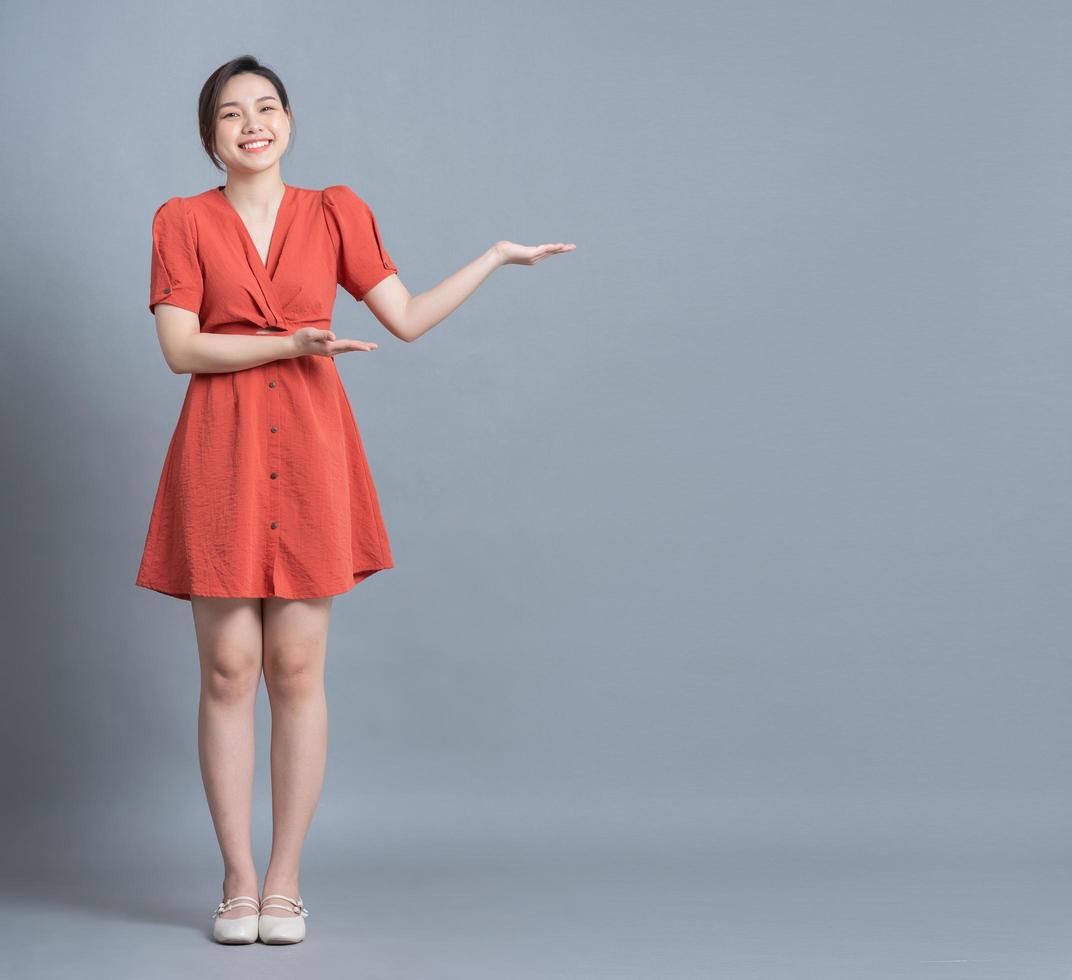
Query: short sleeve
175	274
362	260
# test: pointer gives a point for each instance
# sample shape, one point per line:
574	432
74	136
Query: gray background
729	630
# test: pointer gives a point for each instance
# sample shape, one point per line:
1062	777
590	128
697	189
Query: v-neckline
265	263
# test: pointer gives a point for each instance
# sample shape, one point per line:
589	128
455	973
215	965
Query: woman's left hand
510	253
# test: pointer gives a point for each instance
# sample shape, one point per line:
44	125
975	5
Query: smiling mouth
255	146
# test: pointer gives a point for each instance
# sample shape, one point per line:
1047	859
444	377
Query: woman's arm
409	317
188	351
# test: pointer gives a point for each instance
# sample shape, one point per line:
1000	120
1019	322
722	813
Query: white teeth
254	145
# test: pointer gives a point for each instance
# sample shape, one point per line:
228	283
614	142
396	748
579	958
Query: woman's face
249	112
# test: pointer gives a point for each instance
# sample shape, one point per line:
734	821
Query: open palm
312	340
514	254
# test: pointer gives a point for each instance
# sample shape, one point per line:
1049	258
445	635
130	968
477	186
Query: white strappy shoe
282	928
240	930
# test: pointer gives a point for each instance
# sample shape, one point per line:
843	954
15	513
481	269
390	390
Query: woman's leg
295	649
229	646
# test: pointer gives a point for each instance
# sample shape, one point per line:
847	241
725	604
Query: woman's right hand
310	340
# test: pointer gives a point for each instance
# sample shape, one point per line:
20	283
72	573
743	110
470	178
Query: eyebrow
261	99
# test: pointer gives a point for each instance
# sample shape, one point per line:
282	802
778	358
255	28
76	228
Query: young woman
266	507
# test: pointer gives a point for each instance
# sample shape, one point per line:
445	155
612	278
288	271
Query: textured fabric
265	488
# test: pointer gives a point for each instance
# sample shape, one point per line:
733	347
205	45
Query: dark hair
210	96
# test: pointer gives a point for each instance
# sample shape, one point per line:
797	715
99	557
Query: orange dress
265	488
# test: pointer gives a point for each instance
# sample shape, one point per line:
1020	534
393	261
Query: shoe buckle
224	906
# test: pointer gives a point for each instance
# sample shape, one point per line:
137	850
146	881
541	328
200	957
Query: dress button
274	524
167	289
271	384
275	428
274	475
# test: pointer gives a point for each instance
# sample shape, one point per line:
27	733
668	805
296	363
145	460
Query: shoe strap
236	902
294	906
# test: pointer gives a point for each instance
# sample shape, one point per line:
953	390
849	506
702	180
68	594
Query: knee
232	675
293	670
